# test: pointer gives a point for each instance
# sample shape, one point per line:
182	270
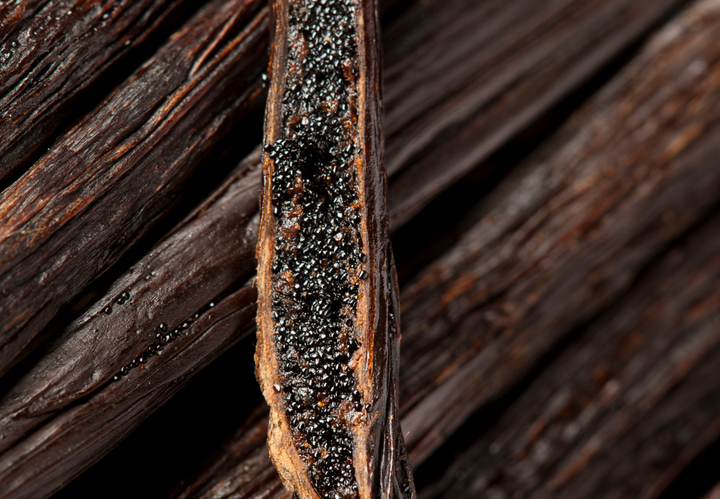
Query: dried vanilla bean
489	69
625	407
51	52
77	437
328	326
109	180
137	314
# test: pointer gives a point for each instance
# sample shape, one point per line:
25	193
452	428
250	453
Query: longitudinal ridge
328	327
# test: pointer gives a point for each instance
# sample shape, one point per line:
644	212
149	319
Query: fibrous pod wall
328	324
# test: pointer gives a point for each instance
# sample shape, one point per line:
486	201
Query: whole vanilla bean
489	69
328	325
52	52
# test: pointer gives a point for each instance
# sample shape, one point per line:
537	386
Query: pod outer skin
380	462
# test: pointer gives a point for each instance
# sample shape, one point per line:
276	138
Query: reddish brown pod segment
328	325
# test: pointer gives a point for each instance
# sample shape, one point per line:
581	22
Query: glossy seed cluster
318	256
163	336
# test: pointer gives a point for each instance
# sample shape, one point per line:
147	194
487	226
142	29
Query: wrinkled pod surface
328	324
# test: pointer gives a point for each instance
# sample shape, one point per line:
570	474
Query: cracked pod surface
328	324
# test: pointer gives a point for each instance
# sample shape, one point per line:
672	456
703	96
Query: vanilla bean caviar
318	252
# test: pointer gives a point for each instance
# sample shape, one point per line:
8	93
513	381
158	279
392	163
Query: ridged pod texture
328	326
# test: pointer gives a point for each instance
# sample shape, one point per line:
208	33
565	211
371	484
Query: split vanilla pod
328	315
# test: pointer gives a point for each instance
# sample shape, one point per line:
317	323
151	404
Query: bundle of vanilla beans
553	189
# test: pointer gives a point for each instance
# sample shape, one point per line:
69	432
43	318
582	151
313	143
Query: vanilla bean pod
328	317
51	53
74	439
626	406
403	35
490	69
126	343
107	181
140	315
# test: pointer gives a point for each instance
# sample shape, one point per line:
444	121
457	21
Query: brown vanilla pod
110	179
328	324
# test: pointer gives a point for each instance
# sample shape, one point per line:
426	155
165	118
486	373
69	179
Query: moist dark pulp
318	254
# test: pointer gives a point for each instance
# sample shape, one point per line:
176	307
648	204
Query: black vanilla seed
163	336
316	202
327	352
